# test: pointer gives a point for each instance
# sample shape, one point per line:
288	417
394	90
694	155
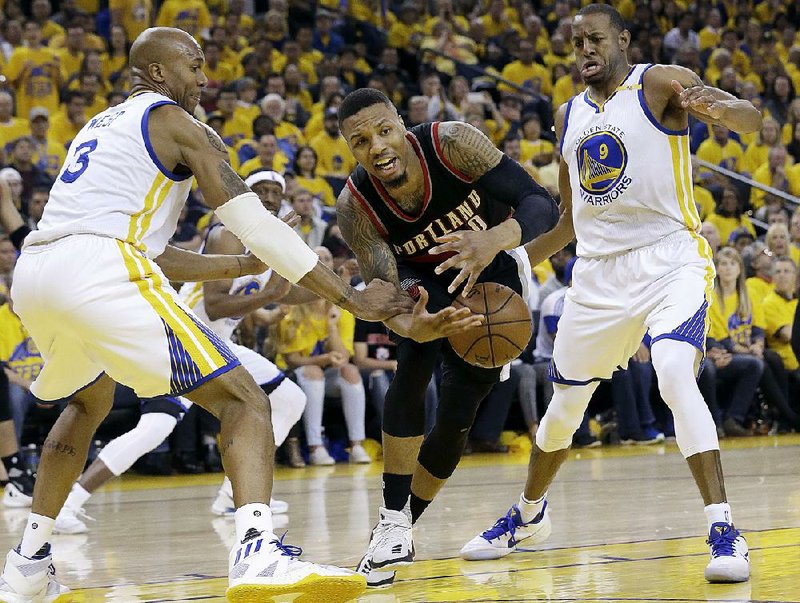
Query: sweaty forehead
367	118
587	24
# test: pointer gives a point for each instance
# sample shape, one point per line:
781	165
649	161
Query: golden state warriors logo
602	159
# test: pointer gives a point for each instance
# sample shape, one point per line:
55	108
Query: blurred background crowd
278	70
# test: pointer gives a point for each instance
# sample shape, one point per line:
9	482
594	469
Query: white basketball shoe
730	557
15	497
261	567
27	580
507	532
223	503
71	521
391	543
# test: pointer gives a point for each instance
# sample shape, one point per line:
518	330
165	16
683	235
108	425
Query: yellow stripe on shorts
207	358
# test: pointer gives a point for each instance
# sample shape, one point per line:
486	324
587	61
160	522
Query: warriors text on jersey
631	177
451	202
124	192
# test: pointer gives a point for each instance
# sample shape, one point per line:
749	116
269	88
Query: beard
397	182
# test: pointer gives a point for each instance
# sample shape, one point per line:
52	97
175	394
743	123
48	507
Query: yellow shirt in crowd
725	321
779	312
308	338
17	349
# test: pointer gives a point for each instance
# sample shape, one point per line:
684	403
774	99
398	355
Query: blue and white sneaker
508	531
27	579
730	558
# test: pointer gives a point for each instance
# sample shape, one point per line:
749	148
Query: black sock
418	506
396	489
14	462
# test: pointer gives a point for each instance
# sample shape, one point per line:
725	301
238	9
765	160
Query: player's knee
312	372
351	374
563	417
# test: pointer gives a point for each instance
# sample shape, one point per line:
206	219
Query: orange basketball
506	329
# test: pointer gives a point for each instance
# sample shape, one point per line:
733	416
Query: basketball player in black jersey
430	209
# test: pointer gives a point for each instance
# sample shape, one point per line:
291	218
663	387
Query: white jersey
631	177
192	296
113	185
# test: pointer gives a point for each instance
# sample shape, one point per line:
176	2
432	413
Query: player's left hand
473	252
700	99
292	219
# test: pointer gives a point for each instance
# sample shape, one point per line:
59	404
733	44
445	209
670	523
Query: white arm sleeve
270	239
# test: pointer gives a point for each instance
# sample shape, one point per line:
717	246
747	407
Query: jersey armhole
149	146
564	127
650	117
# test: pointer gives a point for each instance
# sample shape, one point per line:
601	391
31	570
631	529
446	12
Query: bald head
160	45
168	61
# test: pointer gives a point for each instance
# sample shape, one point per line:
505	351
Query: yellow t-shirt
333	156
727	225
763	176
318	187
62	130
704	201
39	87
725	322
754	157
237	128
779	312
279	163
727	156
50	156
289	133
310	336
136	15
530	149
564	89
527	75
189	15
709	37
17	349
16	127
224	73
70	63
400	34
758	289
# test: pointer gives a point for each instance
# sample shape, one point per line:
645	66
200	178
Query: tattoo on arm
231	183
468	149
215	141
375	257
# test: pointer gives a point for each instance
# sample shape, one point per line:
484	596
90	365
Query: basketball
506	329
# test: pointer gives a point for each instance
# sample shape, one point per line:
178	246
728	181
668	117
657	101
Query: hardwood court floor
627	526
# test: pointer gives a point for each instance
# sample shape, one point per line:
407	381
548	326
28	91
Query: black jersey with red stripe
450	202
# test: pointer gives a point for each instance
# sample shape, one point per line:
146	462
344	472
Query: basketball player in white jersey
626	195
227	301
101	310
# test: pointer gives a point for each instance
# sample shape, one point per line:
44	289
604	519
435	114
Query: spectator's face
76	108
431	86
90	85
599	48
777	157
710	234
324	24
720	133
303	204
75	38
212	54
305	37
292	51
40	9
418	112
13	32
118	38
306	161
389	56
292	76
730	202
6	105
94	63
267	147
778	217
36	205
15	184
276	85
226	102
782	86
325	256
8	256
39	127
794	227
512	149
532	129
33	34
778	242
331	126
784	276
270	194
741	243
728	269
526	51
769	132
217	124
23	151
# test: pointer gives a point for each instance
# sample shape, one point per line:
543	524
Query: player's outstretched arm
544	246
184	266
377	261
683	90
180	140
474	156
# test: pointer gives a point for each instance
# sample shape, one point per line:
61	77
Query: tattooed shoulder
214	140
468	149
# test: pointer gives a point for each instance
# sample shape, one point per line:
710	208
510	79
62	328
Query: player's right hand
427	327
250	264
380	301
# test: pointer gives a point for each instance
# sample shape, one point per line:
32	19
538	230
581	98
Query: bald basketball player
101	310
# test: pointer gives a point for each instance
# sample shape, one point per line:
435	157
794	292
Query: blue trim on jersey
183	370
555	376
650	116
220	371
149	146
564	129
678	337
281	377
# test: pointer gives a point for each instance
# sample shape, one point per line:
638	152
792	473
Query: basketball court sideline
627	526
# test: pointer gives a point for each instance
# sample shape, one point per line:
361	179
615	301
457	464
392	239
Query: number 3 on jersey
79	161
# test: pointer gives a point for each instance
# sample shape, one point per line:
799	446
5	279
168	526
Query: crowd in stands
278	70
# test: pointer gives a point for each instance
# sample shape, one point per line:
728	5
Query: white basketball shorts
663	288
96	305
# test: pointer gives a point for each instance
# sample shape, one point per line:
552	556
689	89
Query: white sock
253	515
718	512
36	535
227	487
78	497
529	509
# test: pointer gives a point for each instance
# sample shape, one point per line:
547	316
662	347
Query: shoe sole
489	553
70	532
311	589
726	575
